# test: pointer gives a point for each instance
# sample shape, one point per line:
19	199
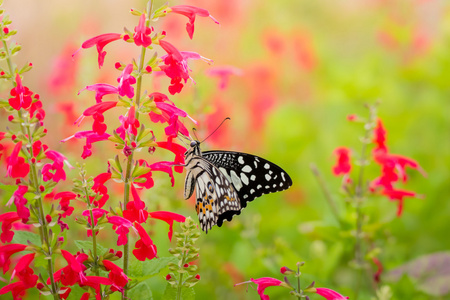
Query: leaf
171	293
87	245
142	270
21	237
141	291
430	273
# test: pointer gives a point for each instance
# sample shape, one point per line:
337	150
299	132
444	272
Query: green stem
128	181
43	228
330	200
359	198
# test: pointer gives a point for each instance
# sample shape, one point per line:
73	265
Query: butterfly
225	181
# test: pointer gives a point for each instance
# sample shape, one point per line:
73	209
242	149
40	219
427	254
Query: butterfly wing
215	194
251	176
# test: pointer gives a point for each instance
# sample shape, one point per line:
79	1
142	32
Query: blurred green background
306	66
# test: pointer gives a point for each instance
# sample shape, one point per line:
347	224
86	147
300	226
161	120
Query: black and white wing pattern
225	181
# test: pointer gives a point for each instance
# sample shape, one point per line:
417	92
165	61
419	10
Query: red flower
142	33
125	81
120	225
118	278
379	137
74	271
16	165
20	201
94	282
169	218
135	211
178	150
7	219
100	188
24	272
6	251
101	41
101	89
55	171
224	73
144	248
21	95
377	275
398	195
64	202
329	294
343	165
191	12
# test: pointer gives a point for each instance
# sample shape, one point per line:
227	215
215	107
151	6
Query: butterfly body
225	181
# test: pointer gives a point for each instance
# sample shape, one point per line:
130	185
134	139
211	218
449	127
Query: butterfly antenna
194	131
227	118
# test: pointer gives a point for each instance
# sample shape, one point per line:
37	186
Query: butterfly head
194	149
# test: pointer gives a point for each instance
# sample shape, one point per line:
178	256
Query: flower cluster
265	282
36	169
393	168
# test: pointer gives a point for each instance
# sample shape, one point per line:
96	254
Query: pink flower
135	211
144	248
142	33
21	95
20	201
97	213
343	165
263	283
224	73
94	282
129	123
329	294
118	278
6	251
55	171
91	137
7	219
101	89
120	225
169	218
170	114
96	111
380	137
16	165
100	42
191	12
175	65
125	81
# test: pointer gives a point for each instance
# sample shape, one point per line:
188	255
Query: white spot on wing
244	178
235	180
241	160
267	166
247	169
268	177
253	178
282	176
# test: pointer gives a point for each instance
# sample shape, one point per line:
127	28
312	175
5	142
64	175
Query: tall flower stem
43	226
359	195
128	181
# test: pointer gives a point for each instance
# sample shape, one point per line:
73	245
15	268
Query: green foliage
88	246
143	270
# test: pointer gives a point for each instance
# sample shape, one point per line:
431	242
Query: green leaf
21	237
142	270
141	291
171	293
430	273
87	245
